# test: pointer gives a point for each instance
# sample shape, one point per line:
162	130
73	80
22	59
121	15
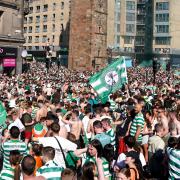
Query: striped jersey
137	121
51	171
34	112
105	164
12	145
110	132
174	163
113	105
7	174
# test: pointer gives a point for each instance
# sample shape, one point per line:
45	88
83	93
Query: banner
110	79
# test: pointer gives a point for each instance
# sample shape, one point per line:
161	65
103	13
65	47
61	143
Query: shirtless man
163	120
42	112
76	125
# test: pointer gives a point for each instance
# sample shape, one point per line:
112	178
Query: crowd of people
57	128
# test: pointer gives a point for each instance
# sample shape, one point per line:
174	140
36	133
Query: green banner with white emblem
110	79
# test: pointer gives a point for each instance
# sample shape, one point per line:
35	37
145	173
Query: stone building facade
88	34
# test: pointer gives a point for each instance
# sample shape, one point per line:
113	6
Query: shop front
8	57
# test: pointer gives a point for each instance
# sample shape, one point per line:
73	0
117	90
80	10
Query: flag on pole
3	115
110	79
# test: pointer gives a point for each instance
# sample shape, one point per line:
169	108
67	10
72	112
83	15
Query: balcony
45	20
44	30
29	40
140	22
141	12
140	33
37	20
36	40
139	43
30	31
37	31
45	9
141	2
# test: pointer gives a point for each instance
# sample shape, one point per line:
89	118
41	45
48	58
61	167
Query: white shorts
145	139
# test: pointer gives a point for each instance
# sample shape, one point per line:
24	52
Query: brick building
88	34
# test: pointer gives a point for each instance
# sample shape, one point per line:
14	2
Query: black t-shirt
122	129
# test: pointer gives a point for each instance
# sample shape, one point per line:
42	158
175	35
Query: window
118	16
30	39
53	38
163	50
44	28
25	20
44	38
30	19
38	9
36	39
53	28
45	18
53	17
130	28
118	27
62	27
128	40
37	29
162	41
37	47
118	39
162	17
37	19
139	41
62	5
130	16
45	8
130	5
30	10
62	16
162	6
30	29
25	29
128	49
162	29
54	6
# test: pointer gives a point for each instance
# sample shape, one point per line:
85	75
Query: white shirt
85	122
18	124
65	144
122	158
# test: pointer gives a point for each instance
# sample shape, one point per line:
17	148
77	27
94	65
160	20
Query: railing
45	9
141	22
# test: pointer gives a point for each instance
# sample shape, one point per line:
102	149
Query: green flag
3	115
110	79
